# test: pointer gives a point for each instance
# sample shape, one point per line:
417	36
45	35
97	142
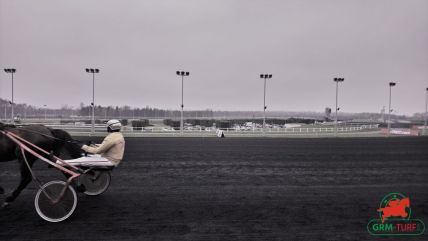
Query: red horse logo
395	208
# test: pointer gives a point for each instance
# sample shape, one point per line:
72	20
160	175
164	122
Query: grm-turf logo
395	218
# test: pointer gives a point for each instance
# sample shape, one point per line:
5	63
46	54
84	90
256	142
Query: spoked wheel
51	206
95	182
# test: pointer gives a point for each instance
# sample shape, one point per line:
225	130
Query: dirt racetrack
235	189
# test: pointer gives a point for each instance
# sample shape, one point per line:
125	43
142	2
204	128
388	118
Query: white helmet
114	125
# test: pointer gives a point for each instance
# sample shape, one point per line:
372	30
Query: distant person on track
220	133
108	153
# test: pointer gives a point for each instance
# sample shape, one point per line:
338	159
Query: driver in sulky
108	153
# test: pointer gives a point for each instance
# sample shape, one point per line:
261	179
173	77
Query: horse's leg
1	190
25	179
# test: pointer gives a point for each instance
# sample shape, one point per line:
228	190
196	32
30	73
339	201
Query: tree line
128	112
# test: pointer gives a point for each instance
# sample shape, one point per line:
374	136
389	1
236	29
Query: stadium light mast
337	80
391	84
182	74
93	72
264	76
11	71
426	112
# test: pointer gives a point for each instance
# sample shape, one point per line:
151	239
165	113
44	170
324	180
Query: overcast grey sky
225	44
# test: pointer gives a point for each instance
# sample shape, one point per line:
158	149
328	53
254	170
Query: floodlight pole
426	112
264	77
391	84
337	80
335	119
182	74
182	105
264	107
93	104
13	100
11	71
93	72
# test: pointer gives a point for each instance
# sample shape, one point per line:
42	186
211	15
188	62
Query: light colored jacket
112	148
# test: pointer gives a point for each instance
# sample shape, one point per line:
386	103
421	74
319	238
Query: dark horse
55	141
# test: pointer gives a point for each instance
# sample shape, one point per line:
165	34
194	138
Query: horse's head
405	202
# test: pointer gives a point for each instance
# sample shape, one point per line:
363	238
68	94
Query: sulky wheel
95	182
51	206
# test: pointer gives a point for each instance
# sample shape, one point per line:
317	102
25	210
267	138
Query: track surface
235	189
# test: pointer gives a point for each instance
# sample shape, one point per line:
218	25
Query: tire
59	211
95	182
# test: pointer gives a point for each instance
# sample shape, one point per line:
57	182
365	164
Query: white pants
90	161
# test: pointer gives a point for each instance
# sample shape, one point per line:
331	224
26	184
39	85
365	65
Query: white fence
295	130
309	129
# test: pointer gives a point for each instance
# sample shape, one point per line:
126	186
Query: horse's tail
64	141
